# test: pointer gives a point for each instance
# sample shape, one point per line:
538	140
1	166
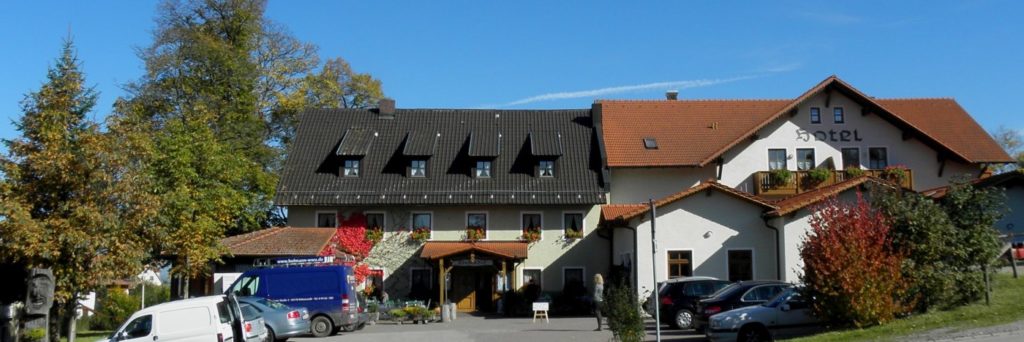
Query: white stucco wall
551	254
681	225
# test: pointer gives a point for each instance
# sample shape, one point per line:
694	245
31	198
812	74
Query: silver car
254	327
785	316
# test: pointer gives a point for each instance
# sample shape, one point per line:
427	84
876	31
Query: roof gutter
778	254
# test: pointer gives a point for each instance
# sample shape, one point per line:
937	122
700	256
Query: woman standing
598	298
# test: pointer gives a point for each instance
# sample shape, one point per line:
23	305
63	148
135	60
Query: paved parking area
494	329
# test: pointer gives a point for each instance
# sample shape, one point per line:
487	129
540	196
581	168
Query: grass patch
88	336
1007	304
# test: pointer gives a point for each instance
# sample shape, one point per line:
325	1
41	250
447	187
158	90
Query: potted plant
573	234
780	176
374	235
895	173
854	172
398	315
817	176
421	234
475	234
531	234
417	313
374	309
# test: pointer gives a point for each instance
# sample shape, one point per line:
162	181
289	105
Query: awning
506	249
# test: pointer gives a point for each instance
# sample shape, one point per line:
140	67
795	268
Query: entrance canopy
515	250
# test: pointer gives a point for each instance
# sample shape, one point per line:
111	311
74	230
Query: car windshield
781	298
273	304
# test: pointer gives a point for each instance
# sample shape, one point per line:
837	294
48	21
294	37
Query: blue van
327	292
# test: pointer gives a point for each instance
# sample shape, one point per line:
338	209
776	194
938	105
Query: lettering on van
286	300
831	135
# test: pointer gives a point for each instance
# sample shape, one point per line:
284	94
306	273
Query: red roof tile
1012	177
279	241
506	249
803	200
695	132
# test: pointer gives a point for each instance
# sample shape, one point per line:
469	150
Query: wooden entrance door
463	291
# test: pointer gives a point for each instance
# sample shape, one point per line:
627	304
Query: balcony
800	182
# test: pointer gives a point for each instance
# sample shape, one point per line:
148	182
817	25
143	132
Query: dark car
735	296
678	299
282	321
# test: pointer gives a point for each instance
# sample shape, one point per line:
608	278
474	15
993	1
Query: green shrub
373	307
818	175
113	309
623	309
34	335
854	172
397	314
780	176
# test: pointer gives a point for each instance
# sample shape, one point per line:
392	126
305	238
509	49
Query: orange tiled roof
506	249
279	241
612	212
695	132
803	200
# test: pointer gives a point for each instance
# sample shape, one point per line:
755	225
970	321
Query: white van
196	319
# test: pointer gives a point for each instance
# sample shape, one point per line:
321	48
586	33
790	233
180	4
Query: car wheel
321	326
683	319
754	334
270	335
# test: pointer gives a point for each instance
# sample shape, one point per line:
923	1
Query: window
418	168
680	264
741	265
776	159
224	313
326	219
763	293
837	114
572	277
878	158
572	225
815	115
247	286
533	276
139	327
851	157
420	278
422	221
483	169
650	143
478	222
546	168
351	168
532	222
375	221
805	159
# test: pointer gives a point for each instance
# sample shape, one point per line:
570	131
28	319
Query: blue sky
540	54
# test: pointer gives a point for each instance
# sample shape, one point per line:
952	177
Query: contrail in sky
677	85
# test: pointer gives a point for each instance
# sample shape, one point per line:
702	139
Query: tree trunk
67	318
186	276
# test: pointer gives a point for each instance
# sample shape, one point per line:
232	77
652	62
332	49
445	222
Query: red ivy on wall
350	238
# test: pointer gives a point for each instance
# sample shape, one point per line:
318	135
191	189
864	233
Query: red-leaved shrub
850	268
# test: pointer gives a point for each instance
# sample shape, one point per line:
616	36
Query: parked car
210	318
253	326
735	296
328	292
678	299
282	321
788	315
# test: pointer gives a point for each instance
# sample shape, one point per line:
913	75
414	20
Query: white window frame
584	268
796	157
834	115
540	169
583	221
412	221
426	167
487	222
522	278
541	213
668	269
316	218
753	261
384	225
477	169
888	159
430	274
358	168
785	157
810	115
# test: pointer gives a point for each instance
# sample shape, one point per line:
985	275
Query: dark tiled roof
310	175
695	132
506	249
421	143
546	143
356	142
279	241
1015	177
484	143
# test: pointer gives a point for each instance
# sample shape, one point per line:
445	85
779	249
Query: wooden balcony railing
799	182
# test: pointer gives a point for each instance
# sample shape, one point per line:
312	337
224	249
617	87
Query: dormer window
483	169
650	143
418	168
546	168
351	168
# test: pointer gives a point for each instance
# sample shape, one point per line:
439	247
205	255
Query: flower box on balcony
475	234
421	234
531	235
573	234
895	173
374	234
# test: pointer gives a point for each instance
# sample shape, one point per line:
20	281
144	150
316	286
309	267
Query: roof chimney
672	95
386	108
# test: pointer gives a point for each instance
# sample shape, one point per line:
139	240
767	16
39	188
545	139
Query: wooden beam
794	112
828	96
942	164
440	298
906	135
721	163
